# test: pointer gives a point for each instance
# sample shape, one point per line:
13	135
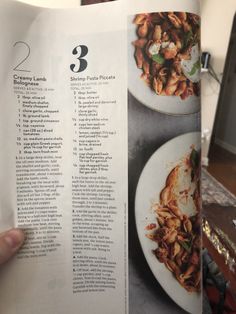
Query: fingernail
14	238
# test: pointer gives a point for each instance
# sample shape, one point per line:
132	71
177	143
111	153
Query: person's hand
10	242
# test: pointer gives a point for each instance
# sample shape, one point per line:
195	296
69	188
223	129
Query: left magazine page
63	139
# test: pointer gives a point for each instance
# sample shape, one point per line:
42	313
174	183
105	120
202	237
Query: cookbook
100	157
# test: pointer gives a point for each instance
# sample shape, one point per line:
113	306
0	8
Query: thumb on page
10	242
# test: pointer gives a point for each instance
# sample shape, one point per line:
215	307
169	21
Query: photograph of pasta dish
167	50
176	234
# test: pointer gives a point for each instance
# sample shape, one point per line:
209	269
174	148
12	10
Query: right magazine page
164	156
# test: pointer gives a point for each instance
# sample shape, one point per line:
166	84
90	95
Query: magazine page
100	137
164	156
64	158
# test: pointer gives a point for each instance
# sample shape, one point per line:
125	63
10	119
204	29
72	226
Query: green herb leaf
194	159
187	38
192	175
158	58
186	246
196	66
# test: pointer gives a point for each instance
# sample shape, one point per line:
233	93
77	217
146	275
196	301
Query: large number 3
81	51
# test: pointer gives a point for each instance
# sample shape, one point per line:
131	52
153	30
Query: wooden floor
222	166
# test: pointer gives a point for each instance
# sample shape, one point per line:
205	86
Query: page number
26	49
80	51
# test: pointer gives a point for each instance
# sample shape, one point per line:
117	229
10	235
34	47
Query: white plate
151	182
167	104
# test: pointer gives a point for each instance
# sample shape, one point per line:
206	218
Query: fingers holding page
10	242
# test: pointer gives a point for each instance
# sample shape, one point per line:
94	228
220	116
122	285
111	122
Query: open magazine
100	157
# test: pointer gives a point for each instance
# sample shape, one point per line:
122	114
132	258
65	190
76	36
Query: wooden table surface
220	219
